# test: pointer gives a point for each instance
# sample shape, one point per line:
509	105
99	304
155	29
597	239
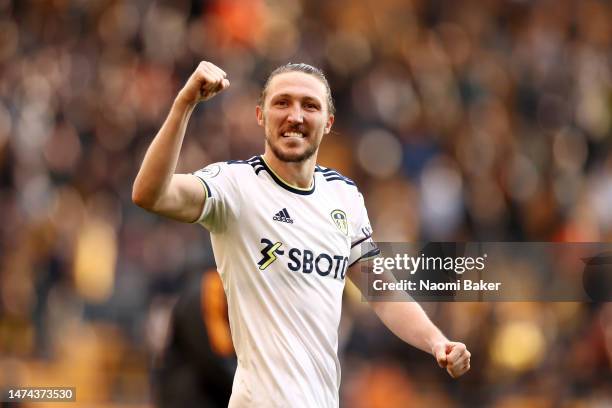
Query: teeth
293	134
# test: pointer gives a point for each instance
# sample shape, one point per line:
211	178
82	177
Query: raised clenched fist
453	356
205	82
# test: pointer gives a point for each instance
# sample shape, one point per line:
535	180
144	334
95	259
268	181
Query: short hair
299	67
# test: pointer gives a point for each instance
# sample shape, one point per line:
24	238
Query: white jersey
283	253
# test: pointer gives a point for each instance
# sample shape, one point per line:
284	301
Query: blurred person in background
284	317
197	366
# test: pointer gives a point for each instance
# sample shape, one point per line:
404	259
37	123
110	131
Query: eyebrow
306	97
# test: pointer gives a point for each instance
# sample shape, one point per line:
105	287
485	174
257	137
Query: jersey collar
284	184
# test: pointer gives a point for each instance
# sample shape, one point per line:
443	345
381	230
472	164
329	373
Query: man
285	234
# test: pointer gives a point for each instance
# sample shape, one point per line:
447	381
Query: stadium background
459	120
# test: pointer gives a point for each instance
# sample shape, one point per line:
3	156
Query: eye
311	106
281	103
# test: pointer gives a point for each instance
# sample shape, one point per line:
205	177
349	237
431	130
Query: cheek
270	118
321	123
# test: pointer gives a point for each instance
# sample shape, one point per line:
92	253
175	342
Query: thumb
440	354
449	347
220	86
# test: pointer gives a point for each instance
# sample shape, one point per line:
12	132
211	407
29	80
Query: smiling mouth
298	135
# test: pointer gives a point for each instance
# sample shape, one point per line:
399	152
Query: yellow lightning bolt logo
269	253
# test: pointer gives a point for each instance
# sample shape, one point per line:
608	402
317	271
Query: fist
205	82
453	356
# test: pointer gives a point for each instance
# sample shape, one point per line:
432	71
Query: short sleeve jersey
283	253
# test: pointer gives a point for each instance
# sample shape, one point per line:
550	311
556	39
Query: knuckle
200	74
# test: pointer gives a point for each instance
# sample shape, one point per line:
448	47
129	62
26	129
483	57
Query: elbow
141	199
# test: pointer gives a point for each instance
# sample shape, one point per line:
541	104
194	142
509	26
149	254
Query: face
295	116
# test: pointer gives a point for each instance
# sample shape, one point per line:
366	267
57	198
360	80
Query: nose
295	114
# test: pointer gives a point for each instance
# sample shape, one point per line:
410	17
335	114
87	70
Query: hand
453	356
205	82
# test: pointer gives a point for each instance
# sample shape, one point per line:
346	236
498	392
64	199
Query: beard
292	157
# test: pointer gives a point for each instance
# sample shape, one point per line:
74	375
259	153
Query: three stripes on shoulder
332	175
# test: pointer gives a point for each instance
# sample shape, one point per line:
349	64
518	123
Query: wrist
182	101
433	341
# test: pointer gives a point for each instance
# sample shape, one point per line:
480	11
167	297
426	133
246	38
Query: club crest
210	171
339	218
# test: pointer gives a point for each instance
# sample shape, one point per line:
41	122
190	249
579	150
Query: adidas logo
283	216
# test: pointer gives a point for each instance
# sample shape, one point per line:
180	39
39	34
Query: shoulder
335	179
230	168
252	165
341	187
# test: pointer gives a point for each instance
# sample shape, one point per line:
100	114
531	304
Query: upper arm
184	199
362	276
359	278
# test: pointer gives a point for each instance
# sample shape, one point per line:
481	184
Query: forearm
159	163
409	322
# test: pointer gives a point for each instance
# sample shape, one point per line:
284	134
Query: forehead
298	84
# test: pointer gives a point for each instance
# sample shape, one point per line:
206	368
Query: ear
260	116
330	122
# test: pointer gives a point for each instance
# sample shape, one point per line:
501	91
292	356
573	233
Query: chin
293	155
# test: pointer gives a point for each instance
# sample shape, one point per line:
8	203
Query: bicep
370	284
184	199
359	277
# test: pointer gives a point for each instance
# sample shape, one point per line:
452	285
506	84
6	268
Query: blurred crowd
459	120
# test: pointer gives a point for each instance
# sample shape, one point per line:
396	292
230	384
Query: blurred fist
205	82
453	356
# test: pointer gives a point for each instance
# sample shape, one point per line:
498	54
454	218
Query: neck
296	174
